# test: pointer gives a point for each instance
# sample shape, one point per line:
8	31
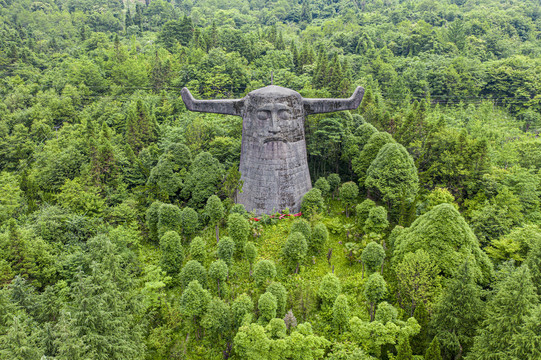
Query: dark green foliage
203	180
392	175
369	153
334	181
375	290
317	242
294	250
446	237
302	226
264	272
267	305
193	270
362	211
242	306
420	342
169	218
280	292
152	218
215	210
404	350
250	251
218	271
226	249
238	229
194	300
189	221
217	319
433	352
377	220
348	194
172	253
373	256
329	289
312	201
140	127
323	185
197	249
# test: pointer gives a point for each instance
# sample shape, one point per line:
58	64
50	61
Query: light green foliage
533	260
217	319
320	234
348	194
362	211
375	290
527	342
238	209
302	226
242	305
364	132
507	310
218	271
238	229
515	245
276	329
323	185
189	221
169	218
392	176
377	220
172	253
391	240
194	300
370	336
267	305
280	292
81	198
362	162
373	256
458	313
385	313
215	210
19	341
446	237
340	313
418	280
10	196
250	251
226	249
193	270
433	352
436	197
312	201
251	343
264	272
197	250
204	178
329	289
294	250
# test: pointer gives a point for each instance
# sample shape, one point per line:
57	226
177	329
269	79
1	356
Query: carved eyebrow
270	107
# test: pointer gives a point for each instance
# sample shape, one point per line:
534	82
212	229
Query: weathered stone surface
273	162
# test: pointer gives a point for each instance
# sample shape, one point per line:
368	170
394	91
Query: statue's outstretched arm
318	106
227	107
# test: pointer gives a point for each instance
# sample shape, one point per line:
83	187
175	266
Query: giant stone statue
273	163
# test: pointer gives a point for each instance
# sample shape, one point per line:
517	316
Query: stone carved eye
263	114
284	114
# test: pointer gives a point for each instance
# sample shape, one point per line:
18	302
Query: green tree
294	250
340	313
169	219
242	306
197	250
10	196
392	175
329	289
372	256
368	154
334	182
323	185
194	303
458	313
140	127
320	234
376	222
362	211
238	229
513	302
446	237
312	202
267	305
250	251
215	211
193	270
203	180
172	253
421	341
19	341
302	226
433	352
375	290
218	272
217	319
404	350
226	249
526	344
189	221
280	292
264	272
348	194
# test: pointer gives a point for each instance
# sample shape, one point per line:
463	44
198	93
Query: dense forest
119	233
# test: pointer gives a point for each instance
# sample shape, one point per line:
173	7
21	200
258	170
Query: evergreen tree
340	313
280	292
404	350
433	352
203	180
302	226
320	234
238	229
172	253
368	154
169	218
215	210
373	256
323	185
250	252
197	249
226	249
189	221
140	127
242	306
193	270
267	305
420	341
217	319
194	303
218	271
329	289
264	272
312	202
362	211
334	182
376	221
294	250
348	194
375	289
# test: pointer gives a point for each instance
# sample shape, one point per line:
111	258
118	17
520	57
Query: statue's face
274	114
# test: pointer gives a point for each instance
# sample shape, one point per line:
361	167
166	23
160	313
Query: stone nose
274	126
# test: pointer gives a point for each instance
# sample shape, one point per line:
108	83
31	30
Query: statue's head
273	114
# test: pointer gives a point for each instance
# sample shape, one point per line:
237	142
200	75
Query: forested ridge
119	233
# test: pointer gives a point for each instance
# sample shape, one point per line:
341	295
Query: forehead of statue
273	94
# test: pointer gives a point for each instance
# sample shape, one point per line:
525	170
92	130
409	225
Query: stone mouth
274	139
